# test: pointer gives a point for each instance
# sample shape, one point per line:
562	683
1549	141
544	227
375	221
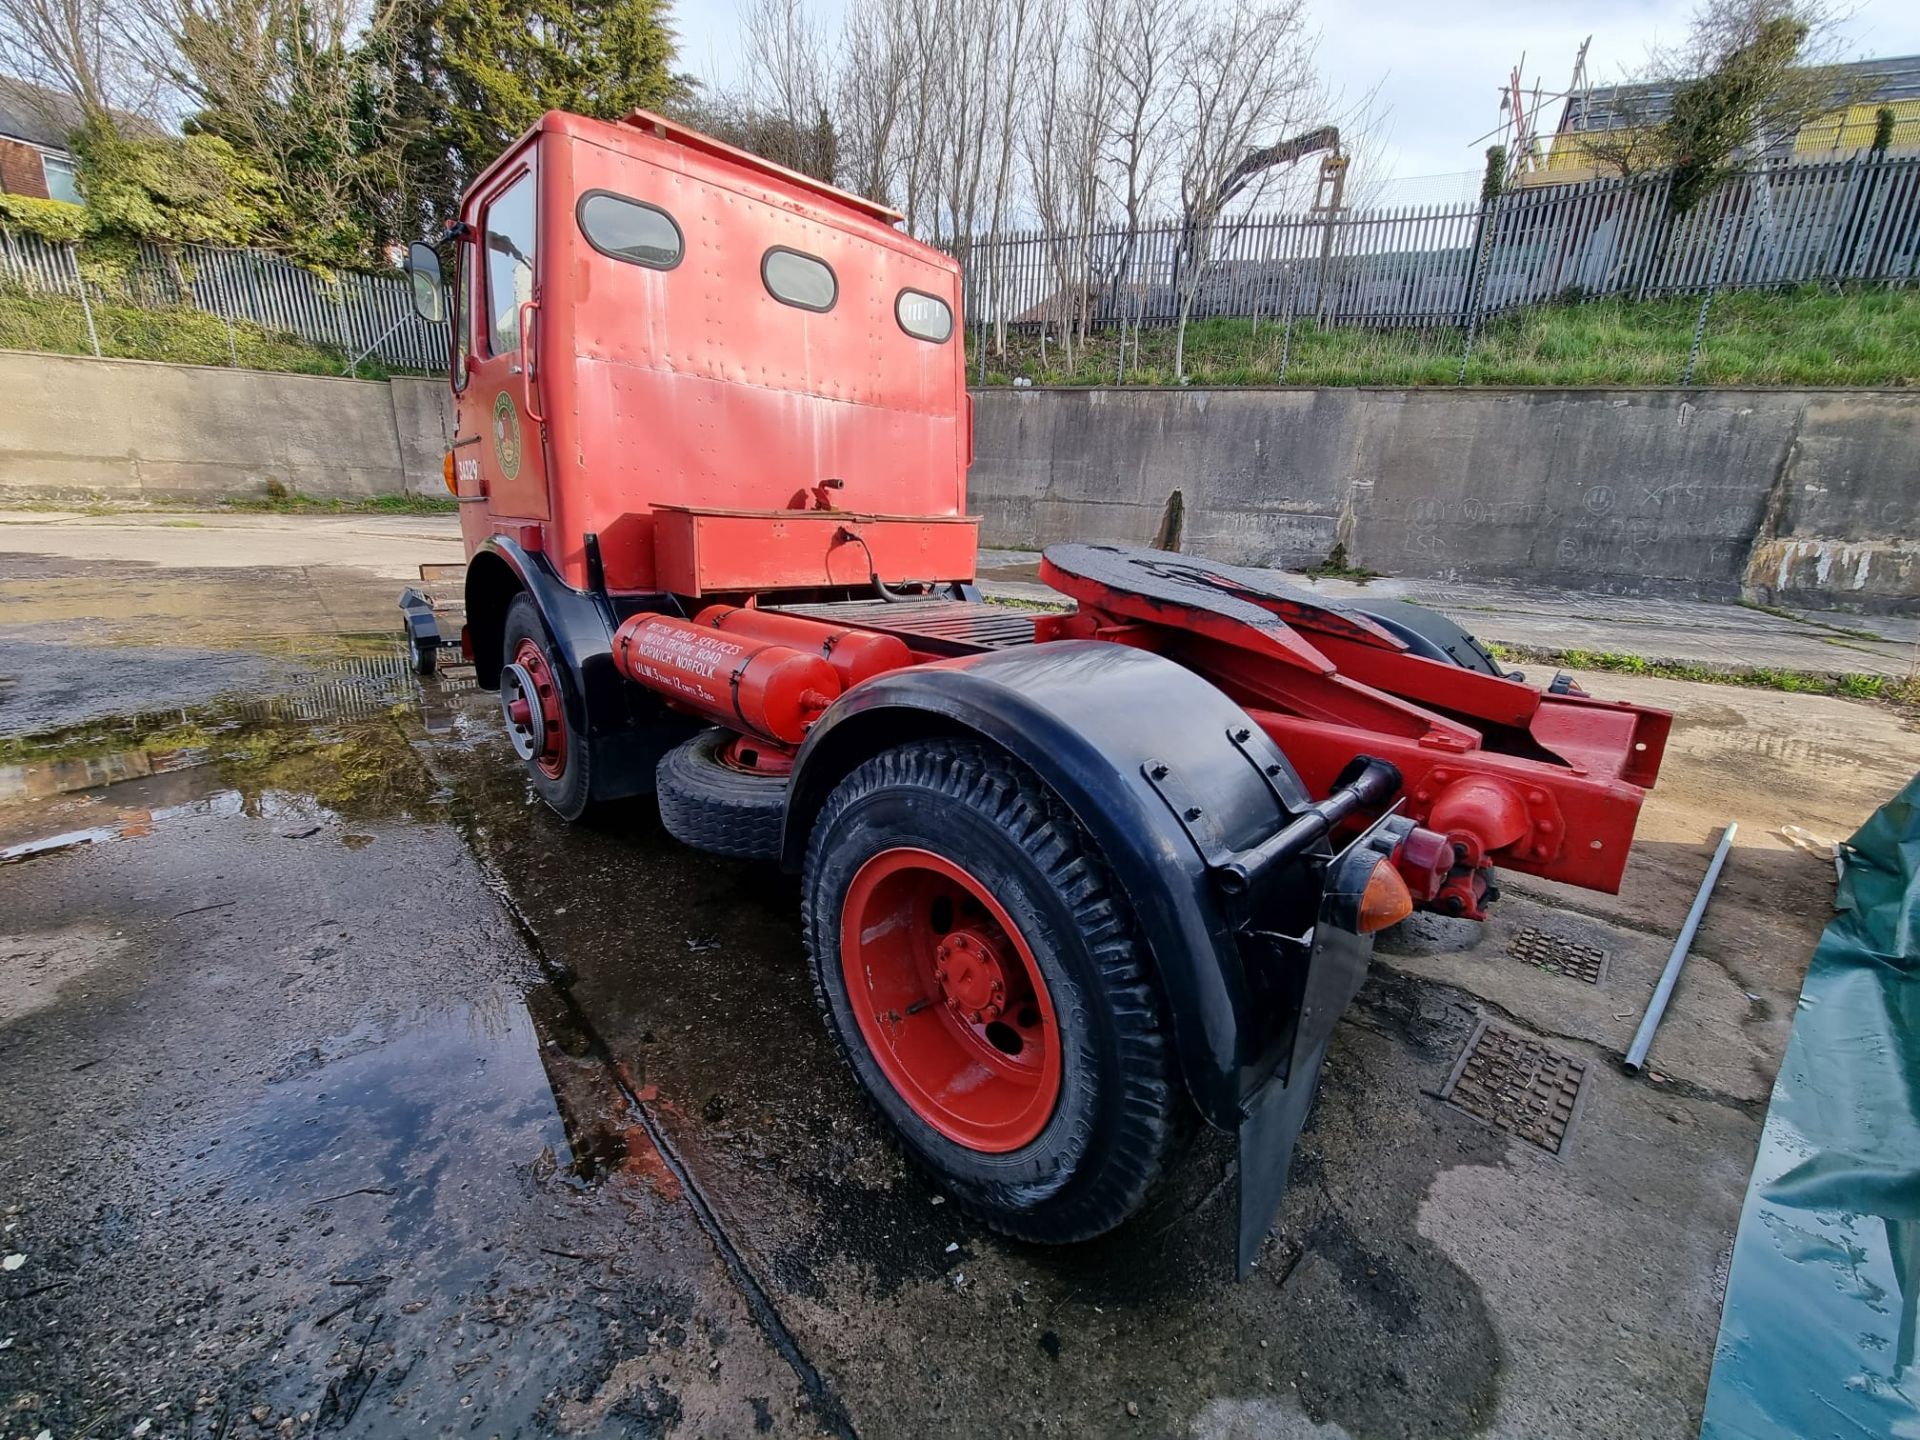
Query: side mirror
429	293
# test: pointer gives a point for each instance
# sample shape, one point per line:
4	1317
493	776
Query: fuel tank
740	681
855	655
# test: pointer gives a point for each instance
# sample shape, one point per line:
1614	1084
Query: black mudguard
1172	780
1428	634
627	730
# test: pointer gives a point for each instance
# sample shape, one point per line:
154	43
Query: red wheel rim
551	758
950	1000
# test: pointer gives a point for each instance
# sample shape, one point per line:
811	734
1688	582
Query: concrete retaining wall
1807	497
73	427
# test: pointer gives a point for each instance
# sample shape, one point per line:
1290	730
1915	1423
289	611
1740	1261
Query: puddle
371	1113
65	687
331	745
332	755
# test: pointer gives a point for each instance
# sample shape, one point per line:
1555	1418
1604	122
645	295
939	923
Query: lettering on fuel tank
689	658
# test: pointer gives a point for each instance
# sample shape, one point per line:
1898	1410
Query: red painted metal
1546	784
723	552
663	128
950	1000
1582	823
1424	859
692	387
767	690
552	758
855	655
753	756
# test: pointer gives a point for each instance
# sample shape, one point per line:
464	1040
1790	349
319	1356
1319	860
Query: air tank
740	681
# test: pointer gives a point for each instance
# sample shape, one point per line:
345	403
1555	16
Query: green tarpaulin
1818	1334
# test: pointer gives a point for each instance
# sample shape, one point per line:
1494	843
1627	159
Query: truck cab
736	378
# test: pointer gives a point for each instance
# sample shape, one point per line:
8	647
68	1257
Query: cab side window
630	230
509	263
463	282
923	316
804	281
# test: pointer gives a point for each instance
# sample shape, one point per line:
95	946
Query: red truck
1068	879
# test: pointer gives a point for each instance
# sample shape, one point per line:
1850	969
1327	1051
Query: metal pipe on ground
1663	992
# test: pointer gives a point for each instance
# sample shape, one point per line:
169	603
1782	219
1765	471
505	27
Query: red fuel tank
854	654
741	682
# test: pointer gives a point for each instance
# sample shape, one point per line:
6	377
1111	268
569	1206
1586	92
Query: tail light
1377	880
446	473
1386	899
1424	858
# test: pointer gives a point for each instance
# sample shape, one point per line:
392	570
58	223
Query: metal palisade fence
1444	265
363	315
1413	268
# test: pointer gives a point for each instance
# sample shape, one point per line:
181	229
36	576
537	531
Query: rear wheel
533	703
1430	635
982	976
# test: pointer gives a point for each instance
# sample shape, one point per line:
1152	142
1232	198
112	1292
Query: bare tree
871	97
959	134
928	66
79	49
1007	76
786	54
1145	59
1070	90
1246	84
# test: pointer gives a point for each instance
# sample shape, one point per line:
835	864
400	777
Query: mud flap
1273	1118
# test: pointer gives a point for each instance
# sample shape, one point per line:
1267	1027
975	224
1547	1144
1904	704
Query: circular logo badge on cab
506	435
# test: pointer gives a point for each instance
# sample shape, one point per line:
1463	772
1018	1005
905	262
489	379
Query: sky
1434	71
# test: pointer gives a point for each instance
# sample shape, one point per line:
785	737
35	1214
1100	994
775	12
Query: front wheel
539	722
981	974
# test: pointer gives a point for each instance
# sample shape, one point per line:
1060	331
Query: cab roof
660	127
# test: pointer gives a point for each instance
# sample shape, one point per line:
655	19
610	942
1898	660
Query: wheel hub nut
967	966
527	719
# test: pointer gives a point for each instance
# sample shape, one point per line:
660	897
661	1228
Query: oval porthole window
923	316
796	279
630	230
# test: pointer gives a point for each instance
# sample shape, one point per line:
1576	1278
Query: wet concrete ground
345	1089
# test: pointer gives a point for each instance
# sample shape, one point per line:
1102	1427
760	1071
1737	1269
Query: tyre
981	974
423	653
708	804
550	741
1430	635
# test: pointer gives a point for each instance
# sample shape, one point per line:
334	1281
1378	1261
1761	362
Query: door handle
527	374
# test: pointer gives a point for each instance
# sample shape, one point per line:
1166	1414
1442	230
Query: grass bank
280	501
185	336
286	503
1808	337
1852	686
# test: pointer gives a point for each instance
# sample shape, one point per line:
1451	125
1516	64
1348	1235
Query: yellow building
1623	113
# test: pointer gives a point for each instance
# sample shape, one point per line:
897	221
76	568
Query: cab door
502	399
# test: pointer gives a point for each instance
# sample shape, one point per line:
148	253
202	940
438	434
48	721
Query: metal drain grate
1518	1085
1558	954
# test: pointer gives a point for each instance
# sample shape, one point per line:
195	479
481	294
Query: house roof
44	117
1613	107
